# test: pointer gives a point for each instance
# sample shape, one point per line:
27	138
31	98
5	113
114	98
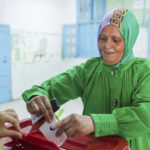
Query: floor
73	106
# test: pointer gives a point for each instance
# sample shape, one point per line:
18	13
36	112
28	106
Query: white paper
50	135
35	118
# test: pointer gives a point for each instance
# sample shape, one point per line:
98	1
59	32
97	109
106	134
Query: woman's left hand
75	125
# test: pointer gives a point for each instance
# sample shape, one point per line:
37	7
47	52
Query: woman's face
111	45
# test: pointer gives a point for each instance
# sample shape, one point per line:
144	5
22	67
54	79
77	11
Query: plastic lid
55	104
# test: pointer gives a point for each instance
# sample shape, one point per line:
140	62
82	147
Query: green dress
116	97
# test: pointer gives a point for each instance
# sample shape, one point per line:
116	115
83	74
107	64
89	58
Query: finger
35	108
13	114
62	123
62	129
29	107
48	107
14	122
62	126
32	105
44	111
10	110
12	133
70	132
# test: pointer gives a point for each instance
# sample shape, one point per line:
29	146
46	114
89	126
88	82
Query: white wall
141	46
40	17
26	75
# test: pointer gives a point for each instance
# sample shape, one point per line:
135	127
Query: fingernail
51	128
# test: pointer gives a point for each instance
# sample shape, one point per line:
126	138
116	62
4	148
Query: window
83	41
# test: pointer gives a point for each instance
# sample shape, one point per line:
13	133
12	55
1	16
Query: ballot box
36	141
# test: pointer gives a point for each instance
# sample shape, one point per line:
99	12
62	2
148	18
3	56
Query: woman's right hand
41	105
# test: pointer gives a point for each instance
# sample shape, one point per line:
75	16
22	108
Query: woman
9	116
114	88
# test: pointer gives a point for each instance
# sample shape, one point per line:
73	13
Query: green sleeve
65	86
130	121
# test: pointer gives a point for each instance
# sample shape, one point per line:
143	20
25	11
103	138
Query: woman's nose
108	44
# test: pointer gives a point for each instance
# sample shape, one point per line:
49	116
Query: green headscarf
126	22
129	31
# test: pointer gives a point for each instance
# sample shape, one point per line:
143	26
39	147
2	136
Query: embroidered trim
117	17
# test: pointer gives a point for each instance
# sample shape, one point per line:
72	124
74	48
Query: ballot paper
50	134
46	130
35	118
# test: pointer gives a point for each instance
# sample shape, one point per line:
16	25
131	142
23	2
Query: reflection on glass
98	8
84	9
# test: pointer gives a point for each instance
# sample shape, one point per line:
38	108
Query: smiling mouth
108	53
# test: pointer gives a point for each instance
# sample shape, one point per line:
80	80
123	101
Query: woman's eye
103	39
116	40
